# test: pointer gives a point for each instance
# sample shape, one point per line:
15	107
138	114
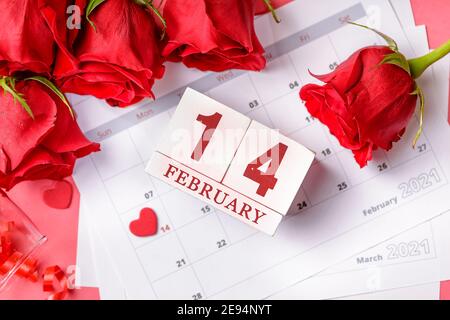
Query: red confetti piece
54	279
54	275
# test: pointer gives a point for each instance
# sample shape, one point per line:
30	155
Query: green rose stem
93	4
8	84
268	4
420	64
151	7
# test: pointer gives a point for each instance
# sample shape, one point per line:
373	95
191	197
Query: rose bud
117	58
40	139
213	35
26	41
368	101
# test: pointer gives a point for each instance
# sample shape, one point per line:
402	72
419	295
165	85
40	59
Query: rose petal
19	133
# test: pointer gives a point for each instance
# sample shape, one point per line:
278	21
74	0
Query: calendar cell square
181	285
147	134
325	180
160	186
235	230
164	223
403	150
204	134
277	79
300	203
118	154
334	141
288	113
269	167
206	231
318	57
357	175
175	76
184	208
162	257
238	94
99	112
261	116
130	188
345	46
314	138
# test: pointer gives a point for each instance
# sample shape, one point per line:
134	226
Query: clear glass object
19	239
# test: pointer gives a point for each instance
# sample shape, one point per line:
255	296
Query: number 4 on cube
237	165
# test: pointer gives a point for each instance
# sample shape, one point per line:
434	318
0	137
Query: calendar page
417	256
340	210
411	258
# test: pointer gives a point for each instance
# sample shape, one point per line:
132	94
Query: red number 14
271	159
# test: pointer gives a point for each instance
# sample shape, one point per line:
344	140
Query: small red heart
59	196
146	225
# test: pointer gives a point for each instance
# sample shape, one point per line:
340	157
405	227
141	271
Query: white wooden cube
269	167
237	165
204	134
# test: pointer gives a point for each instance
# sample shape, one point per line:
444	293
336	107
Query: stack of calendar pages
377	232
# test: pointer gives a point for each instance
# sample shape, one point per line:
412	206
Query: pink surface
435	14
445	290
61	229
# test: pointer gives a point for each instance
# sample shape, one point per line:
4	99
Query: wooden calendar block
237	165
204	134
269	167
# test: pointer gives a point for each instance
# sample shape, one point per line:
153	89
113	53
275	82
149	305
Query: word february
230	161
219	195
209	192
380	207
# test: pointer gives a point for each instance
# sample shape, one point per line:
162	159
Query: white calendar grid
190	231
413	254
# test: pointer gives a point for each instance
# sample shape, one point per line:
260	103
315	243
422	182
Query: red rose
214	35
117	61
366	104
26	41
44	147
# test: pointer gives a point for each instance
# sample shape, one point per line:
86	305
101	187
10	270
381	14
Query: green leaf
397	59
391	42
269	6
8	86
91	7
419	92
160	17
149	4
55	90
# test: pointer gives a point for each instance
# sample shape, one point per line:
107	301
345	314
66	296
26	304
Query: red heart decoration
146	225
59	196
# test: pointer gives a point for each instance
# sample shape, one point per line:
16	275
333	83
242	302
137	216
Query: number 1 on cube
211	122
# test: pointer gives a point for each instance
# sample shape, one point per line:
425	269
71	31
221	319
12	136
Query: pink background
62	232
61	229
